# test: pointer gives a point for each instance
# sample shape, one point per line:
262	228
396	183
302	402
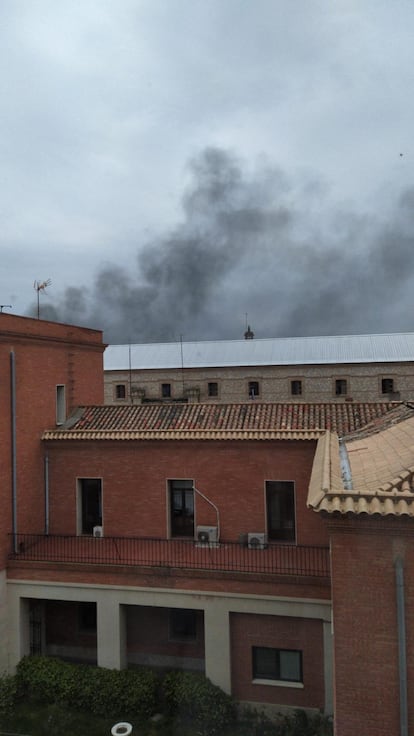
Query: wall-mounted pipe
214	507
46	493
402	651
13	447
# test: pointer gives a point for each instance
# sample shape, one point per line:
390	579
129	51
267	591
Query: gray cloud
243	247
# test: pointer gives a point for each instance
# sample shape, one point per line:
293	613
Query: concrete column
19	633
217	643
111	633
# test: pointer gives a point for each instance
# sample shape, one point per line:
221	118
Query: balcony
227	557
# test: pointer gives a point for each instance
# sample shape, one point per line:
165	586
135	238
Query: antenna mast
40	286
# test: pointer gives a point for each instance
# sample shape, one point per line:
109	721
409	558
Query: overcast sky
175	165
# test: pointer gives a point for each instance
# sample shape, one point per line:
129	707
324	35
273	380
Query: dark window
183	624
91	504
166	390
87	617
182	508
253	389
277	664
340	387
280	501
296	388
387	385
213	388
120	391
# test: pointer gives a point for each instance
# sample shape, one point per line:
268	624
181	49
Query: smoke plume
255	246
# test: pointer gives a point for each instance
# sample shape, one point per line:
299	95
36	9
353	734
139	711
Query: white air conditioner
207	535
256	540
97	532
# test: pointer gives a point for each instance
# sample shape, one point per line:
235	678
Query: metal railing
275	559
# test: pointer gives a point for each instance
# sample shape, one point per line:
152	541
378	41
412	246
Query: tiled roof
377	472
207	421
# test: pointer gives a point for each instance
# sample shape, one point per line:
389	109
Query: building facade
266	544
345	368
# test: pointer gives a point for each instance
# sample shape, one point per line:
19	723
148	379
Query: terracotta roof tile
125	422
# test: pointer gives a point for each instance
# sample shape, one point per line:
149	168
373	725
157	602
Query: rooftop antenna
40	286
182	362
5	306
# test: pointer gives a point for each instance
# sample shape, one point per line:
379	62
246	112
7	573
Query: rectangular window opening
340	387
166	390
387	385
60	404
90	503
212	388
277	664
254	389
296	388
120	391
181	508
280	503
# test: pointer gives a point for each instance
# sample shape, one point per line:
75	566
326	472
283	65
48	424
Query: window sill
278	683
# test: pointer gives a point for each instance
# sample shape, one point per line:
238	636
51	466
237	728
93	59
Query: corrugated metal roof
215	421
271	351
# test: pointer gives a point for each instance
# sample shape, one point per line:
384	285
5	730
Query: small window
212	388
280	502
183	624
87	617
253	389
387	385
90	504
277	664
181	508
60	404
340	387
296	388
166	390
120	391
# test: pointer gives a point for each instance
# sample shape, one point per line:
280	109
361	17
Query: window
280	502
181	508
120	391
183	624
340	387
212	388
87	617
166	390
277	664
387	386
253	389
89	504
60	404
296	388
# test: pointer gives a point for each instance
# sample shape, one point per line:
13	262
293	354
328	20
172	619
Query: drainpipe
46	493
13	447
402	654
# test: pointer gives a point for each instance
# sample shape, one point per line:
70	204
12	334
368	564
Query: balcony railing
274	559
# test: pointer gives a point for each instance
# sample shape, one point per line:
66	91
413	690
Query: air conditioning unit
256	540
97	532
207	535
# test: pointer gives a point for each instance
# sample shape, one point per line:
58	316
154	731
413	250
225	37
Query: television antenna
40	286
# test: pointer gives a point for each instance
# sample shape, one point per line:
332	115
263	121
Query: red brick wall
231	474
279	632
365	625
45	354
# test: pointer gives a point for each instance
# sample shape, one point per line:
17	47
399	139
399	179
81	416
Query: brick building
269	545
310	369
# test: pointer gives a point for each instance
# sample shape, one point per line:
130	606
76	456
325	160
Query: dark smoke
253	243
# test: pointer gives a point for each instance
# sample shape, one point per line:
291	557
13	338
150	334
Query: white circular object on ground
121	729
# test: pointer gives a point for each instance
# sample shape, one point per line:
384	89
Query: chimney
248	335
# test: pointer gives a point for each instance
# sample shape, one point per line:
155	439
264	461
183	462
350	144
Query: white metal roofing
270	351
